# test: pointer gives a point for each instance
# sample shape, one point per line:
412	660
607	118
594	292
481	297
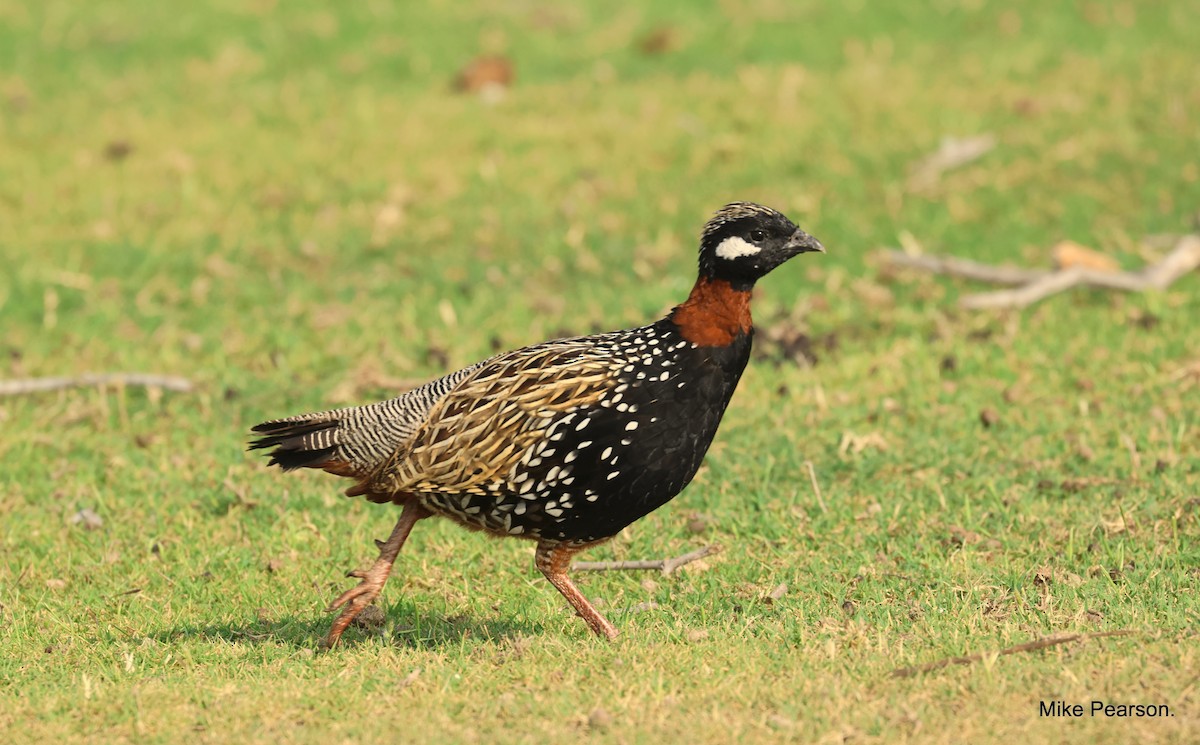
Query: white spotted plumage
533	435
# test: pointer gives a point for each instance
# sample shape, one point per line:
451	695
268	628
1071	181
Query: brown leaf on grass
698	523
118	150
87	519
779	591
996	609
599	719
488	75
989	417
872	509
854	443
780	722
1122	523
1043	576
1073	485
1068	254
963	537
658	41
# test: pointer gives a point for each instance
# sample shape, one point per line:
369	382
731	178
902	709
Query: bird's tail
309	441
355	441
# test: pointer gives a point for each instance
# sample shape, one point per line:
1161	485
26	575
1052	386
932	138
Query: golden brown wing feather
477	435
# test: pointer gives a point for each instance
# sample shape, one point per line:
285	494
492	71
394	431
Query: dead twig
666	566
240	495
953	266
952	152
1037	644
1035	285
145	380
812	477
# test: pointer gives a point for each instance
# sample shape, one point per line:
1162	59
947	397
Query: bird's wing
476	437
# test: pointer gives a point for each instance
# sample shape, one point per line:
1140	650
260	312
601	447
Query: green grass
305	213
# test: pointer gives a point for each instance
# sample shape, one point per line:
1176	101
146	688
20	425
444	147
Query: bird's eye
758	236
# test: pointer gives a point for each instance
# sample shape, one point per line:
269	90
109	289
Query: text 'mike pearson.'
564	442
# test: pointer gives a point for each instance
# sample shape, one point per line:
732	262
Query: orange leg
553	559
359	597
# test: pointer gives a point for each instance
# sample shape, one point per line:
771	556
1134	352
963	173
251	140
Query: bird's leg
553	559
359	597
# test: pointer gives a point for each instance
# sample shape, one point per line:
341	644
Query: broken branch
1035	284
146	380
666	566
1033	646
955	267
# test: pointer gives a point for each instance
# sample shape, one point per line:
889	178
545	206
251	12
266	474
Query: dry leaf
87	519
776	594
600	719
855	443
1068	254
489	76
658	41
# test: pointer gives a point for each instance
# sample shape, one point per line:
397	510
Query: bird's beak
802	242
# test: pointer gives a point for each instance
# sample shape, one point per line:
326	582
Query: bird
565	442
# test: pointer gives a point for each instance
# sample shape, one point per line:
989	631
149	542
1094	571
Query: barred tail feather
300	443
354	441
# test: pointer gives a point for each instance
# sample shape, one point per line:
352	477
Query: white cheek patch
734	247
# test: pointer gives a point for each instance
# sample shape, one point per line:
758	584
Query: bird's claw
346	597
355	600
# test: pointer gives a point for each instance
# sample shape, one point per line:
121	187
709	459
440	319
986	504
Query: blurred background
297	205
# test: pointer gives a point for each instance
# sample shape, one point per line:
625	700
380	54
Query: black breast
645	440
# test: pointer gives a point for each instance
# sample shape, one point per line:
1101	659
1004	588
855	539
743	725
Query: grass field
289	204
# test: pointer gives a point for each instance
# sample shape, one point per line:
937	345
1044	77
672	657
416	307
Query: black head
743	241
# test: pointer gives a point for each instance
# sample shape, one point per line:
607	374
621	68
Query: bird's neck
714	313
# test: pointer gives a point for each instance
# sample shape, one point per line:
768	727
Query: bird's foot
357	598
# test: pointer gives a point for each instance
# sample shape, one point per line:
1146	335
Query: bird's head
743	241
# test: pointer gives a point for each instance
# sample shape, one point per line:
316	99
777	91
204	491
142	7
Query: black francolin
564	442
